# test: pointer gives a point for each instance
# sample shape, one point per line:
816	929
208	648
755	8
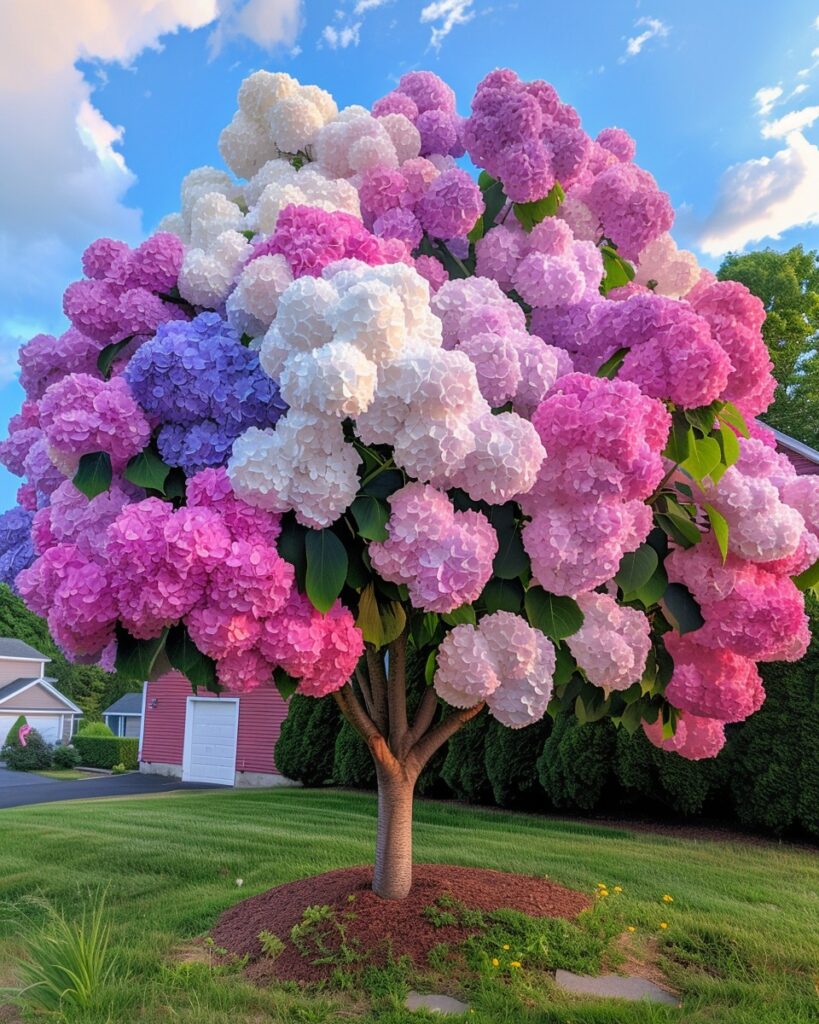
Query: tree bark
399	752
392	878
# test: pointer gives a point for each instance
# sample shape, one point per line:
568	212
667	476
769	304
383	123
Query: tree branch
364	726
436	737
378	688
397	694
423	716
364	686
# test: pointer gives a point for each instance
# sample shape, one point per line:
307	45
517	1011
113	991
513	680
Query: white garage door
48	726
211	727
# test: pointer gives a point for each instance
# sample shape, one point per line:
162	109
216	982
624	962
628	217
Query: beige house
26	690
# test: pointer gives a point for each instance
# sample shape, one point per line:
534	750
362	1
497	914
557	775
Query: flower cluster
203	388
444	557
502	661
287	337
122	293
604	440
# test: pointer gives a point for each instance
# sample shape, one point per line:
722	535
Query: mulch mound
382	928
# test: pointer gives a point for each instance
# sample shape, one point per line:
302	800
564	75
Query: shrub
305	748
65	757
575	767
463	768
352	764
94	729
105	752
510	760
12	737
34	756
119	769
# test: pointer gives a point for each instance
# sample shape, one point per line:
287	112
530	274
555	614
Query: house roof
10	647
19	685
128	704
797	447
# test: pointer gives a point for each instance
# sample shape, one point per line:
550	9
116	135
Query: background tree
788	285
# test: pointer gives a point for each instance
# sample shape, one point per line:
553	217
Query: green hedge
304	750
13	735
106	751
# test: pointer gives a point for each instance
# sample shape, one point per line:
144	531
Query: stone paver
616	986
435	1003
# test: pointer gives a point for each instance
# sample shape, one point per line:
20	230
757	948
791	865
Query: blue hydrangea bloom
16	551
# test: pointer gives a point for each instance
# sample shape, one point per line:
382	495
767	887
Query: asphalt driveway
20	788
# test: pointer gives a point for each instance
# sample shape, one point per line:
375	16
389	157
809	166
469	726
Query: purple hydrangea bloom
16	551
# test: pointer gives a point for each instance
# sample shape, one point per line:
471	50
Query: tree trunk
392	877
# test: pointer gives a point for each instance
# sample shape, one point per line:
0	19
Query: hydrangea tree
350	400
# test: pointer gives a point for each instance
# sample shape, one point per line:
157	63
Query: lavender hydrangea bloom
16	551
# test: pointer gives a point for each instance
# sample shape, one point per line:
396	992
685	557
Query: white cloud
816	23
65	178
795	121
268	23
340	39
798	90
653	28
368	5
764	197
450	13
766	98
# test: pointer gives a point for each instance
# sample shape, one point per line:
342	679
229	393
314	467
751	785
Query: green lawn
742	944
66	774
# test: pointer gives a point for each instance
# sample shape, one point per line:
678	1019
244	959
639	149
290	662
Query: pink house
226	739
229	739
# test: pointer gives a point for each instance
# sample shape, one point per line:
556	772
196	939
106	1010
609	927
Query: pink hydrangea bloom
243	670
211	489
695	738
82	414
46	359
451	205
612	644
443	556
712	683
432	271
630	206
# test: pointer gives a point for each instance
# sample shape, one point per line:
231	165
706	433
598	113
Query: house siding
15	668
35	698
261	713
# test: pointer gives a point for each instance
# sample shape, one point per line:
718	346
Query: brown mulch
382	928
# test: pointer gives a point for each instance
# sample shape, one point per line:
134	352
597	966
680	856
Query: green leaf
466	613
494	199
430	666
380	622
732	417
423	627
292	547
680	439
719	527
612	364
384	484
93	474
108	355
636	568
246	340
704	417
530	214
501	595
591	705
681	609
652	590
326	568
146	469
511	559
186	657
476	234
809	578
285	684
681	520
557	617
729	445
136	658
371	515
565	665
704	457
617	272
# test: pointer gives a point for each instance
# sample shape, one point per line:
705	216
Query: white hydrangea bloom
674	271
336	379
304	464
252	305
404	136
174	224
211	214
207	276
260	91
466	673
306	187
612	644
246	146
761	527
354	142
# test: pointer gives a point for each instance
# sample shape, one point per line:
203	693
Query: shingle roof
10	689
10	647
128	704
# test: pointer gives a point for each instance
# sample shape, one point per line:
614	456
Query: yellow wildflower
495	961
663	924
631	928
506	945
618	888
514	963
668	899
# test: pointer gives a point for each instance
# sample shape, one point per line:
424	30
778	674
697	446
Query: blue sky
108	103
